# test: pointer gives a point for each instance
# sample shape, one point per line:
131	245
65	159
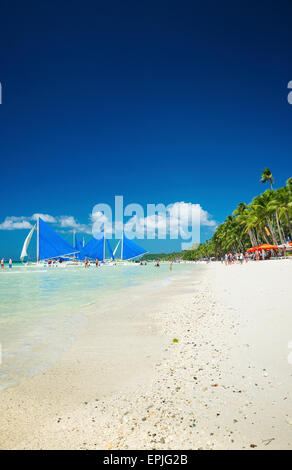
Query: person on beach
241	258
10	263
2	263
96	263
157	265
86	262
170	267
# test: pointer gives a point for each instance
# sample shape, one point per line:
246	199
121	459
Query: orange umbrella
253	248
268	247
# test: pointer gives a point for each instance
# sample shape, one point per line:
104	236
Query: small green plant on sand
175	340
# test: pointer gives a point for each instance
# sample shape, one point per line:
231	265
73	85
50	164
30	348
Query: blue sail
51	245
131	249
78	246
93	249
110	249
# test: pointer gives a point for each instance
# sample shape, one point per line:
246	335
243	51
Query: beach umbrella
253	248
288	246
267	247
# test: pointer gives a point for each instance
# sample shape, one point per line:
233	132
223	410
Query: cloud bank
179	214
63	222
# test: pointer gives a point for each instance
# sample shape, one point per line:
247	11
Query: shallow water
42	309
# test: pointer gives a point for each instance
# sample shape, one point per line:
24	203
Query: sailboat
129	251
26	244
50	246
96	249
93	249
78	245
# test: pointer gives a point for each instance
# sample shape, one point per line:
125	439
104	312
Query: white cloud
186	211
101	222
46	218
69	222
177	219
15	223
99	217
206	219
180	215
64	221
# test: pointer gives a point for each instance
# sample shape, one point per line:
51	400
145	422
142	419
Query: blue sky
156	101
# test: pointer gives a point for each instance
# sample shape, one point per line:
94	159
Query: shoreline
214	389
104	358
37	331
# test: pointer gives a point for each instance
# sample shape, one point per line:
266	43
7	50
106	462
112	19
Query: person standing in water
170	267
10	263
2	263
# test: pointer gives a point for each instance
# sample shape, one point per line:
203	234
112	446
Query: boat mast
104	246
38	239
122	246
74	243
115	250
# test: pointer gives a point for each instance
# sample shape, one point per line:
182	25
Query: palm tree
266	218
261	210
267	177
282	203
243	216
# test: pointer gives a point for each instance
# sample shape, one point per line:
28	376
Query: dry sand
226	383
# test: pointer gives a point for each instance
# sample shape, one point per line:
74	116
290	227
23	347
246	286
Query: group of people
231	258
3	263
260	255
257	255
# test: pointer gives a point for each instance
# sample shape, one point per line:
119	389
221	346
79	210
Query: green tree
282	204
267	177
263	212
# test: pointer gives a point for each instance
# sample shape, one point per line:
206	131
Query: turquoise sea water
42	309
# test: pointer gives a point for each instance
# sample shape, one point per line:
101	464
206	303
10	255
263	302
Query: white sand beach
226	383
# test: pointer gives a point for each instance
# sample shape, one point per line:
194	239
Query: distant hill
165	256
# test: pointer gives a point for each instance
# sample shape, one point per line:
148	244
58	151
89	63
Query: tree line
266	219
